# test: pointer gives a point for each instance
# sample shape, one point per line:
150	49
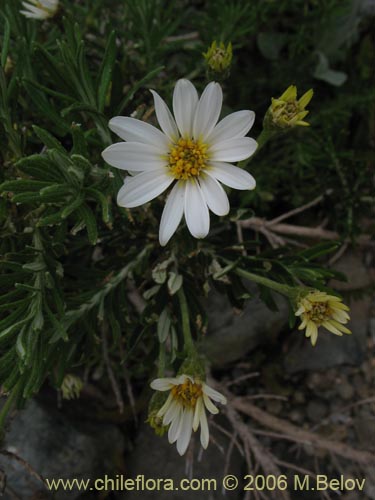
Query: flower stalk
186	331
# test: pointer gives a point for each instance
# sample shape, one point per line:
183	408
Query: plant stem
189	344
162	360
286	290
9	403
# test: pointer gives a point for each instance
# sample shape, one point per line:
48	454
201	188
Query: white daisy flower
193	152
185	408
40	9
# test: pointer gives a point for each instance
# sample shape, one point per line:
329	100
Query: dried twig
278	424
298	210
111	375
261	454
24	464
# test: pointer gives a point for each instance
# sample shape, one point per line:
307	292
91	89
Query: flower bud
218	58
286	111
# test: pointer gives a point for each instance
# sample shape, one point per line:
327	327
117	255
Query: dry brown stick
298	469
258	224
298	210
229	453
261	454
107	362
241	378
24	464
129	389
285	427
278	435
266	396
229	435
289	465
240	238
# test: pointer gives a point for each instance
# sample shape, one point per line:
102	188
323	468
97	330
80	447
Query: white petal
181	379
233	126
34	12
142	188
175	428
205	435
34	15
131	129
231	176
185	100
172	412
162	384
215	196
185	434
196	212
172	213
215	395
165	118
198	409
233	150
208	111
133	156
209	405
165	406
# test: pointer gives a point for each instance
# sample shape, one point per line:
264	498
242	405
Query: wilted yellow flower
286	111
71	386
320	309
218	57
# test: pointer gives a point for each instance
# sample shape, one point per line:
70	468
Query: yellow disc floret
187	158
187	393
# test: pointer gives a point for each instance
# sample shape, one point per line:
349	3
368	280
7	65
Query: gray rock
55	448
346	391
231	336
316	411
154	457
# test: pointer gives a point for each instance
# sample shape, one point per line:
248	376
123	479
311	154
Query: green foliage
72	262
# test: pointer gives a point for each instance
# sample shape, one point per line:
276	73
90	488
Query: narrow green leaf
57	190
174	283
89	219
6	38
40	167
106	70
35	267
164	325
23	185
103	200
79	140
49	140
74	204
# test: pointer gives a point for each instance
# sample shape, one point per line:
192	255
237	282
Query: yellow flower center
187	393
319	312
187	158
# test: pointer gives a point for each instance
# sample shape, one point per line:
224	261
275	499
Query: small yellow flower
71	386
320	309
218	57
286	111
